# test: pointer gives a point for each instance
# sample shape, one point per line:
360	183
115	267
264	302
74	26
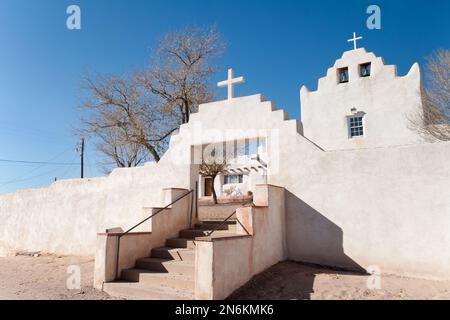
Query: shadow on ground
285	281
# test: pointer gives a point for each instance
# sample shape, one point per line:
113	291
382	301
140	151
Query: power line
66	171
48	173
36	167
63	176
40	162
70	167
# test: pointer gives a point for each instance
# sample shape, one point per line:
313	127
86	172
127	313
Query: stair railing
228	218
146	219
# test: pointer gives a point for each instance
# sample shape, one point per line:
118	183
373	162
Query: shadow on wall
314	241
312	238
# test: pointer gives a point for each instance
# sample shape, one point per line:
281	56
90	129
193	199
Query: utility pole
82	158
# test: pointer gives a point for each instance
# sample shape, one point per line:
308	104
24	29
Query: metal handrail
146	219
228	218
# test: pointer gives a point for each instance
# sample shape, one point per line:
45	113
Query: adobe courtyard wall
385	209
66	217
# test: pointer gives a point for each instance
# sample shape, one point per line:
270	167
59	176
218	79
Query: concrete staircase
168	274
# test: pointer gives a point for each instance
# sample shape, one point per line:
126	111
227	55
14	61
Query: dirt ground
291	280
45	277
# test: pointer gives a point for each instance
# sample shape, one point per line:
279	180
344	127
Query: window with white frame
233	179
356	126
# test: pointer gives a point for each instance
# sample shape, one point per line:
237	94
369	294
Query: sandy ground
291	280
45	277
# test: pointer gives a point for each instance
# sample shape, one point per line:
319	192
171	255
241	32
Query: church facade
361	103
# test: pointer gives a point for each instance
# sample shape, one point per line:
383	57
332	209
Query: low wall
225	264
66	217
132	246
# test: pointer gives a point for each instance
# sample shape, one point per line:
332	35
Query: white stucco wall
65	217
388	207
386	99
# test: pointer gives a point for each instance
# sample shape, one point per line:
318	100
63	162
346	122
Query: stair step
193	233
166	265
180	243
182	254
136	290
210	225
172	280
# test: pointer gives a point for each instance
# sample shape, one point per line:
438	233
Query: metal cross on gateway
354	40
230	83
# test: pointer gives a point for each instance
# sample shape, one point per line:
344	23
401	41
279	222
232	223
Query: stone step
174	253
193	233
217	216
136	290
210	225
165	265
172	280
180	243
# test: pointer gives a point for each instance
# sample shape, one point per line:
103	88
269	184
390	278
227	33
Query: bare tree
145	109
181	70
212	166
432	121
122	155
122	112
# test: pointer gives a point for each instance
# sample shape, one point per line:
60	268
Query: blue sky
277	45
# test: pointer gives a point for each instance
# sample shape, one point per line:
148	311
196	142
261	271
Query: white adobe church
360	103
349	186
